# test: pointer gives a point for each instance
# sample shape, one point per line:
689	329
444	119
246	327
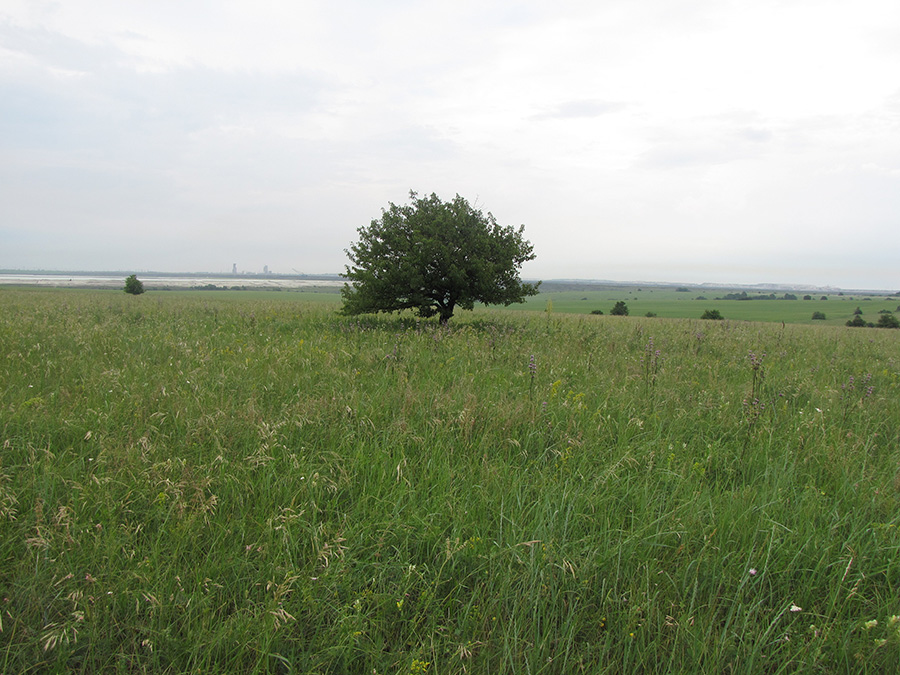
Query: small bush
818	316
619	309
857	322
888	321
597	311
133	285
650	314
713	315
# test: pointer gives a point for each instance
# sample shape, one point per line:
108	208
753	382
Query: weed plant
218	485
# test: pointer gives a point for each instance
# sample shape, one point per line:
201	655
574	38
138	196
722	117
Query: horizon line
557	280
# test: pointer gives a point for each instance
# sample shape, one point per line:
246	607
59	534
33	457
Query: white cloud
691	138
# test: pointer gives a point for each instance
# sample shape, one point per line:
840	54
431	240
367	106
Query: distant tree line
743	295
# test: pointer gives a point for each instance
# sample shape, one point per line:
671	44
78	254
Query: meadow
669	303
220	483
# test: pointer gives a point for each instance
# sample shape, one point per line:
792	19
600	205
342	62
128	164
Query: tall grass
219	485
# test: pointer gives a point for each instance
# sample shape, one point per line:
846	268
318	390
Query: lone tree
133	285
434	256
619	309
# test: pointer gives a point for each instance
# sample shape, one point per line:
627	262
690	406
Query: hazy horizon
689	143
249	274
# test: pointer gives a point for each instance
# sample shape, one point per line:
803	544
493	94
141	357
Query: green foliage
857	322
887	321
669	303
818	316
597	311
743	295
619	309
227	483
712	314
133	285
432	256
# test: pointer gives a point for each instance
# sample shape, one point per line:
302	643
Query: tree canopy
434	256
888	320
133	285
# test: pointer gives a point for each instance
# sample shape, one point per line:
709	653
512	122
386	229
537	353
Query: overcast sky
653	140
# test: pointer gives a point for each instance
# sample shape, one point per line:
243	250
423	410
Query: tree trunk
446	312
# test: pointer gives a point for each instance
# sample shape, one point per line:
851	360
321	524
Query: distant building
265	269
234	268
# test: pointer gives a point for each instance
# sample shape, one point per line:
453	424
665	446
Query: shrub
619	309
712	314
818	316
133	285
807	297
597	311
857	322
650	314
888	321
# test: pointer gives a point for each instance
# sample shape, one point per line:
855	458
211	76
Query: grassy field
668	303
220	483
